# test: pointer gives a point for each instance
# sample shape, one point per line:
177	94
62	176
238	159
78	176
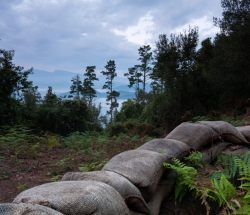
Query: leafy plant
223	191
21	142
22	186
52	141
244	171
185	177
78	141
234	165
195	159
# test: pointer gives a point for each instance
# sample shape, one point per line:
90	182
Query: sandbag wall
132	182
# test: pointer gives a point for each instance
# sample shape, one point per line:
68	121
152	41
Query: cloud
205	25
71	34
141	33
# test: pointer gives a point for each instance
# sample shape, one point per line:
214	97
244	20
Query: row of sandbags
132	182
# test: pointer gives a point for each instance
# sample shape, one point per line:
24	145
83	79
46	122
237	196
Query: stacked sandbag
195	135
226	131
129	177
76	198
26	209
209	155
130	193
165	187
169	148
245	131
142	167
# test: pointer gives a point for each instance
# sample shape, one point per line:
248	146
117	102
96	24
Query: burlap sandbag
76	198
226	131
169	148
164	189
127	190
196	135
245	131
142	167
210	154
26	209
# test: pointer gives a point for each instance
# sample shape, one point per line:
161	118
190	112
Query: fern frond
195	159
185	177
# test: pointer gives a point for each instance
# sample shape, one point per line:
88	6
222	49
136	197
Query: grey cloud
66	34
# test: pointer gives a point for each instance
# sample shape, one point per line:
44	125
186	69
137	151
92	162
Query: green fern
239	165
195	159
223	191
244	171
185	177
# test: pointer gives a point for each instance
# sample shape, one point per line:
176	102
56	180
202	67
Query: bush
21	142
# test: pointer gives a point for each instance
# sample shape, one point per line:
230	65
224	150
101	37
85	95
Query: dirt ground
18	175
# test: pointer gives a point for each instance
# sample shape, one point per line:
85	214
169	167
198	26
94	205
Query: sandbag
76	198
143	168
163	190
209	155
226	131
245	131
195	135
236	150
127	190
169	148
26	209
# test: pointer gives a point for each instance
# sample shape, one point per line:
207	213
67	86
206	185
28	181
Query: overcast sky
71	34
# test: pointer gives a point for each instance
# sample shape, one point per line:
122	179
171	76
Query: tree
145	59
88	91
50	99
111	93
141	73
236	13
31	97
76	87
229	70
134	77
13	82
173	74
175	57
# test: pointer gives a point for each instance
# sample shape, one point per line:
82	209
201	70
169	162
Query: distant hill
61	81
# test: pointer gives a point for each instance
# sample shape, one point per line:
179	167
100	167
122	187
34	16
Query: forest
186	79
189	81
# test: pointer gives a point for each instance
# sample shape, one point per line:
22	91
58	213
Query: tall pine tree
141	73
88	91
76	87
110	73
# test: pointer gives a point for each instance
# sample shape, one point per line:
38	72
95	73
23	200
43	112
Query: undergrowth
231	197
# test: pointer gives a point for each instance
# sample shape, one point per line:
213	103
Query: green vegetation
229	189
187	82
110	73
185	177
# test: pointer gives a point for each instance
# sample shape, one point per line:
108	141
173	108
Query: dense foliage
185	79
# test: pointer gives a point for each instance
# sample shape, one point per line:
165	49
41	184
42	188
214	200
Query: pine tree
141	73
88	91
145	59
111	93
135	78
76	87
50	99
13	82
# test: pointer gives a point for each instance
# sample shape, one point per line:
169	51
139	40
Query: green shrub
185	177
194	159
78	141
21	142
